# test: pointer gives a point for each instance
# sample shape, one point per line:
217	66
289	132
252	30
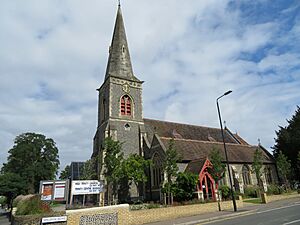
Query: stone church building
120	115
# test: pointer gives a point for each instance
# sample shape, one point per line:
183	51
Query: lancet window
246	175
126	105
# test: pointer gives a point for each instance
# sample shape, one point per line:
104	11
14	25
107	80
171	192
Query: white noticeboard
59	190
85	187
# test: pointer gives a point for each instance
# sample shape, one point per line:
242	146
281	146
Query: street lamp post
229	172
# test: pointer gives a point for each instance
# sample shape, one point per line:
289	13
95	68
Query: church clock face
126	88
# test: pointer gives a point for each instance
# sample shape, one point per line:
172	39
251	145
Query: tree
33	157
257	166
2	201
89	170
134	169
298	161
113	166
11	185
288	141
284	167
184	186
66	173
217	171
170	168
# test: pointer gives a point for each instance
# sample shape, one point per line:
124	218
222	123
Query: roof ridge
211	142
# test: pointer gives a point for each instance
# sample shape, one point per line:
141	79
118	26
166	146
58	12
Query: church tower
120	99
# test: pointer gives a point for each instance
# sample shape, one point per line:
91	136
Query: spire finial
119	3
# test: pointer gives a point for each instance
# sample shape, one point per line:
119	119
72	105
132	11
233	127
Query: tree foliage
134	169
184	187
33	157
113	164
88	171
288	142
66	173
217	171
284	167
298	161
257	165
170	169
11	185
170	166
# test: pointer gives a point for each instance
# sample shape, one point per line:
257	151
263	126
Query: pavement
4	217
248	209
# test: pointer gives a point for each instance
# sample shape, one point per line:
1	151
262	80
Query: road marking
283	207
232	216
228	218
215	219
295	221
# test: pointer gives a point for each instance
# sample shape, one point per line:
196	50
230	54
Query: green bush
251	192
145	206
31	206
153	206
274	190
2	200
225	191
184	186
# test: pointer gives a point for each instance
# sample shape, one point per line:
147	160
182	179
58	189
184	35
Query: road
284	215
285	212
4	217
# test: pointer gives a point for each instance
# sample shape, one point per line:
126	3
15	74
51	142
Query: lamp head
227	92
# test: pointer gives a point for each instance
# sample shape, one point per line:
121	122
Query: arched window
157	170
126	105
246	175
268	175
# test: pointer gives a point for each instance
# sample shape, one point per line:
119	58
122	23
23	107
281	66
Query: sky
53	56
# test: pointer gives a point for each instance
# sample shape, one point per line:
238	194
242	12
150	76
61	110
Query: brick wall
160	214
125	216
272	198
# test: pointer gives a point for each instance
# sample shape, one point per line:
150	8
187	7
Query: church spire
119	63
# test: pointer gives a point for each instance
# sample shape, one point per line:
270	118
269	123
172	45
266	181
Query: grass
56	204
253	200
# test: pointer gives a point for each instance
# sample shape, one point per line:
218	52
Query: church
120	116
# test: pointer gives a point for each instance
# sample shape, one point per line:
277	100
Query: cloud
54	54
